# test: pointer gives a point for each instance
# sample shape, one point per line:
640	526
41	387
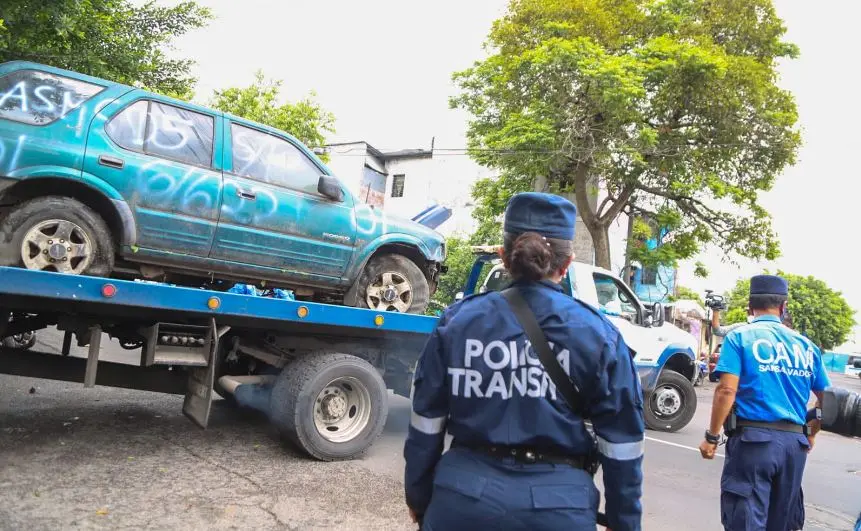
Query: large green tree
112	39
260	102
816	310
671	107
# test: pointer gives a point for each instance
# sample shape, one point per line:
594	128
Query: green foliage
111	39
672	107
493	195
459	262
686	294
305	119
817	311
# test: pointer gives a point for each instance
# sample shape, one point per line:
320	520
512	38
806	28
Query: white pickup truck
665	354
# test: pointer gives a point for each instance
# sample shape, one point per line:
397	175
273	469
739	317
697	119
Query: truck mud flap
198	397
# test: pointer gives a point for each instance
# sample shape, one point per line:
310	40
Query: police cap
769	285
549	215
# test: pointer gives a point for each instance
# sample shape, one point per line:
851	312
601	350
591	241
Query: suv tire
56	234
393	283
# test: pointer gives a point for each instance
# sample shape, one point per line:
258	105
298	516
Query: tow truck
323	370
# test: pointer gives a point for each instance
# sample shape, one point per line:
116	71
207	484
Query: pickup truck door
271	213
615	300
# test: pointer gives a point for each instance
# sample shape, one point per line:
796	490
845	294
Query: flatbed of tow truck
325	368
320	371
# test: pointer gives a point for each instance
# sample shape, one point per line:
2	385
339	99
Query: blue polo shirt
777	369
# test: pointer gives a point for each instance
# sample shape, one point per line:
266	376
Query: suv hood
433	216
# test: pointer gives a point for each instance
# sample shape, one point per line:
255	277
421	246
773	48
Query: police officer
518	453
767	372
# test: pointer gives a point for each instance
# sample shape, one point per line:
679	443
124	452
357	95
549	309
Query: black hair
531	256
766	301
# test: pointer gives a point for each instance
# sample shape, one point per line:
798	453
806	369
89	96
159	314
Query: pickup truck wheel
671	406
333	406
393	283
57	234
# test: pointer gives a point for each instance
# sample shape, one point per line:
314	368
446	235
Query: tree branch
693	206
600	208
617	206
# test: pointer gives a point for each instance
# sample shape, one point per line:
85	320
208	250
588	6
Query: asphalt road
113	459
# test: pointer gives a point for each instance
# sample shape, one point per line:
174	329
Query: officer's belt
777	426
525	454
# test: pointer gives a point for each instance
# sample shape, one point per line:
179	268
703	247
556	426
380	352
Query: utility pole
627	277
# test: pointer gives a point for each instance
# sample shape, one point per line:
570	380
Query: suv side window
614	298
165	131
39	98
273	160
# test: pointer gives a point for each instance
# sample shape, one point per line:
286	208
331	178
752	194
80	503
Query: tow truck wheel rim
57	244
342	410
390	291
667	400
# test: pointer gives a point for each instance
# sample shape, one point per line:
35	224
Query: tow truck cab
664	354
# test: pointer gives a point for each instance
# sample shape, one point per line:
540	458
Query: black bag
554	370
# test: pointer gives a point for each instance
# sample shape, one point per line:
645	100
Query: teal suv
103	179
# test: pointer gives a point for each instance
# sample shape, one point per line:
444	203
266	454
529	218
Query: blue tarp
248	289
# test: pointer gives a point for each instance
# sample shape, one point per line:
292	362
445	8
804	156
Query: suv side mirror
331	188
657	315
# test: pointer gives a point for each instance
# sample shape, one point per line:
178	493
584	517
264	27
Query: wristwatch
712	439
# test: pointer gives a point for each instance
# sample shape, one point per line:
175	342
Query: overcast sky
383	67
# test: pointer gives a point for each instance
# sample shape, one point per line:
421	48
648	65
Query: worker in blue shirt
518	458
767	372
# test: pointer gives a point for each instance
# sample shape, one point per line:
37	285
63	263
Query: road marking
677	445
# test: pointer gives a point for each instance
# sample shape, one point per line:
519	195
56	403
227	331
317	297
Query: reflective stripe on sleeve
430	426
621	451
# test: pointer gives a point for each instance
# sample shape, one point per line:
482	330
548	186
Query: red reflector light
109	290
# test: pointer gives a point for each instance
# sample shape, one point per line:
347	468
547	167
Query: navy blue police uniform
478	380
765	457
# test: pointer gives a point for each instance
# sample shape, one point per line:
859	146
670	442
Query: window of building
39	98
165	131
273	160
650	276
398	185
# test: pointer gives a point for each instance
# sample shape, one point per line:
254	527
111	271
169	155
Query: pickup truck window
39	98
164	131
273	160
614	298
497	280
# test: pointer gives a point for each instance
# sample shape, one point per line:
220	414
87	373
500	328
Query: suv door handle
246	194
111	162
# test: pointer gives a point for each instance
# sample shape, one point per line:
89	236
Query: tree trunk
601	241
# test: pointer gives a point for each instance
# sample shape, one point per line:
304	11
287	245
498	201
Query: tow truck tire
671	406
89	251
410	285
333	406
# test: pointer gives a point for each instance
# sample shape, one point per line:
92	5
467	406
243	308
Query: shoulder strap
541	347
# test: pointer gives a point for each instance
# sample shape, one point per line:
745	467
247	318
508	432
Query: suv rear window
164	130
39	98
